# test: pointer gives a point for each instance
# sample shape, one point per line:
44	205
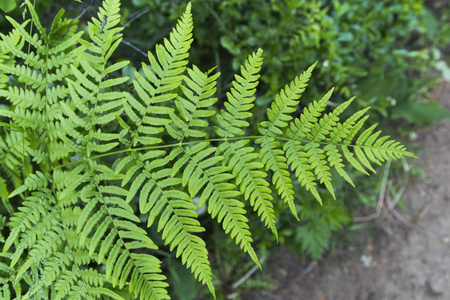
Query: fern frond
250	177
8	42
271	154
192	107
297	157
241	159
14	151
27	220
107	227
160	196
306	154
240	98
161	80
91	92
284	104
37	102
369	147
201	171
33	182
337	135
7	278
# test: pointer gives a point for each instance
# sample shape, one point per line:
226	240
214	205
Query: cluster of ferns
87	167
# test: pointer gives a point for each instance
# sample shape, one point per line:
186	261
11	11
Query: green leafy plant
89	165
377	51
7	5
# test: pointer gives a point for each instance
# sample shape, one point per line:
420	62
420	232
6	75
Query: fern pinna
87	167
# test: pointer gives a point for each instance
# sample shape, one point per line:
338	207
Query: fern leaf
300	164
201	171
284	104
91	88
118	238
241	160
200	87
338	134
219	193
240	98
271	154
250	178
177	222
164	76
41	75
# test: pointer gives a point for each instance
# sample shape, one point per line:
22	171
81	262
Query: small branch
248	274
78	17
138	15
309	268
135	48
399	194
270	295
390	205
381	196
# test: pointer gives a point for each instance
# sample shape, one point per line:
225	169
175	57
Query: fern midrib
47	106
253	137
91	123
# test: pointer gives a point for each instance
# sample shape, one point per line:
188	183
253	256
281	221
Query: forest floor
402	254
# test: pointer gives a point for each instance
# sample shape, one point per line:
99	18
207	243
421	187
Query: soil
402	254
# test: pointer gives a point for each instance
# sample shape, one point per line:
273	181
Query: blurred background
394	56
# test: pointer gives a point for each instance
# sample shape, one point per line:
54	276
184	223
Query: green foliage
7	5
314	235
91	167
375	50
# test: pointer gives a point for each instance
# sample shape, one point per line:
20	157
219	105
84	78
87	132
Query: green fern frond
107	227
240	98
8	42
306	155
241	159
250	178
91	92
192	108
284	104
23	221
37	101
340	132
84	165
162	78
160	194
201	171
219	194
14	150
161	197
6	277
271	154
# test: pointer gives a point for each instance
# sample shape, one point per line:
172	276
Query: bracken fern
87	167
